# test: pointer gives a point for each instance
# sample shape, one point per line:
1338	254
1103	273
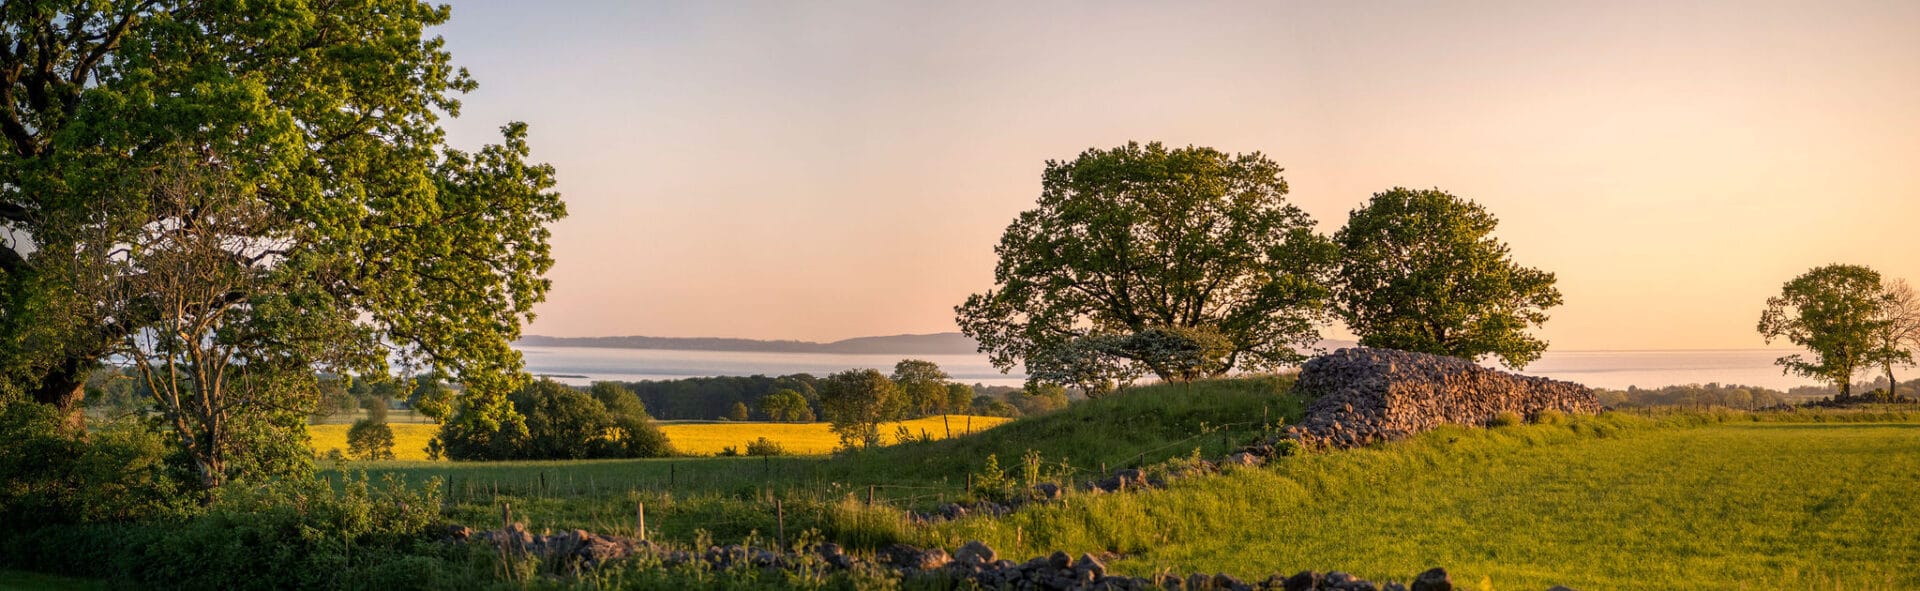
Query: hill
946	343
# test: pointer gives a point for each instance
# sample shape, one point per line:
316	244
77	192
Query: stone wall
1363	395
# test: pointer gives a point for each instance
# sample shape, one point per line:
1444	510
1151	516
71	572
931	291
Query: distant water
1600	369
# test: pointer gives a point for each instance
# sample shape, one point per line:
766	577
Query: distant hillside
946	343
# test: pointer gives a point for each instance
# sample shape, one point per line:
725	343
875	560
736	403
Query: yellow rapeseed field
705	438
409	439
701	438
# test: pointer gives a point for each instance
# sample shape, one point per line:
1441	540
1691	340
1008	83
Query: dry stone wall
1363	395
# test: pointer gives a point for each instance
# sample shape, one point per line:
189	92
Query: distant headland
946	343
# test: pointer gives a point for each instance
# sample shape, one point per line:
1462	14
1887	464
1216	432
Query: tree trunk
1893	387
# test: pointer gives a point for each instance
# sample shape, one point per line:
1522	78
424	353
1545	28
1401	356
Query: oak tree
1180	262
1833	313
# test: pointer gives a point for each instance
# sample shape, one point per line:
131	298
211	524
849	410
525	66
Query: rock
834	555
913	558
1393	587
1305	580
1087	564
974	552
1559	588
1435	579
1059	560
1243	459
1047	491
456	533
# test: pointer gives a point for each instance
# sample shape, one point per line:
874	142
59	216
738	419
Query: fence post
640	520
543	483
780	522
673	475
869	495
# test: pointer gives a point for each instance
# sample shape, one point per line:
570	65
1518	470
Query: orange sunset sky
824	170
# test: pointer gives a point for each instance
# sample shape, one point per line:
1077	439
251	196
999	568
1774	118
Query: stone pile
1364	395
973	562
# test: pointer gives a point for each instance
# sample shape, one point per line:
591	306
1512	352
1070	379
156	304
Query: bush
368	440
123	470
293	534
1505	418
765	447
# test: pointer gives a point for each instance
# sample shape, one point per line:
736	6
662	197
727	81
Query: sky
825	170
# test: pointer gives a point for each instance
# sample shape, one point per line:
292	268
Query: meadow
699	438
1645	500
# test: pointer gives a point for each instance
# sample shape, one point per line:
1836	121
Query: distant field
708	438
697	438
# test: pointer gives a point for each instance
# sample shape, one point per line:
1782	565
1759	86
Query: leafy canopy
1184	262
1421	271
1834	312
326	118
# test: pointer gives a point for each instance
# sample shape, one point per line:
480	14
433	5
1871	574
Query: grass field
1657	500
701	438
1606	503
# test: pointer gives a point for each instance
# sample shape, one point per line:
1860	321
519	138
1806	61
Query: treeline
1712	394
926	390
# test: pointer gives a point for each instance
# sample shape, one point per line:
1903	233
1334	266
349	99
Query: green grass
1615	502
731	498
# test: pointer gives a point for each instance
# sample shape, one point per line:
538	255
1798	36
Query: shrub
123	470
1550	417
765	447
1506	418
368	440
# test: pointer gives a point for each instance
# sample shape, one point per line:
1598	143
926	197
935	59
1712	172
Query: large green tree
1834	313
325	117
1420	270
1184	262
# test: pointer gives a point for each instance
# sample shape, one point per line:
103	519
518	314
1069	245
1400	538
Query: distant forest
946	343
712	398
1734	395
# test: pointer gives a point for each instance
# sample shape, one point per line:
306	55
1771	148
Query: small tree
1899	329
856	402
786	406
959	398
737	412
370	440
1421	271
924	386
1834	313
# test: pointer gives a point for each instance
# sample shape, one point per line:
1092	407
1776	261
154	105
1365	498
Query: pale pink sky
823	170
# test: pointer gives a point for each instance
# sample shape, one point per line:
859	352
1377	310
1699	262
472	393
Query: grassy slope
726	496
1728	506
12	580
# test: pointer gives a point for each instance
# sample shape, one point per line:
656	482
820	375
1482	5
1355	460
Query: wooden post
780	522
946	422
673	475
1019	536
869	495
543	483
969	482
640	520
506	516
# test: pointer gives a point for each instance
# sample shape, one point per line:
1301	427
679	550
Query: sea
1599	369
